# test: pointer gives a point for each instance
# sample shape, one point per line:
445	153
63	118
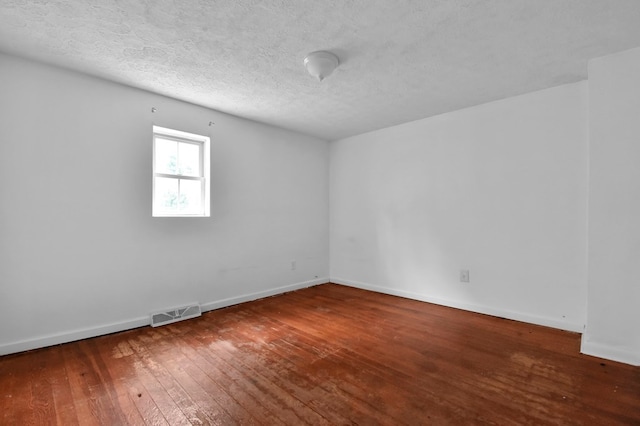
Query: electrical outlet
464	275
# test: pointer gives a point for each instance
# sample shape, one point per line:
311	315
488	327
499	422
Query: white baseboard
488	310
70	336
613	353
85	333
261	294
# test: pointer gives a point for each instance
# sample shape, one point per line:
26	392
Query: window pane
179	168
166	156
190	197
189	157
166	196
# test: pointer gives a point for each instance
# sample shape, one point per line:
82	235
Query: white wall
80	253
613	320
499	189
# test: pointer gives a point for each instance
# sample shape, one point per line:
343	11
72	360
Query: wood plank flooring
327	355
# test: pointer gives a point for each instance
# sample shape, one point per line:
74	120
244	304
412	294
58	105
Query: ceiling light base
321	64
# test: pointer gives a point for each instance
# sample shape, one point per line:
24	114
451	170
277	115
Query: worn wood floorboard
326	355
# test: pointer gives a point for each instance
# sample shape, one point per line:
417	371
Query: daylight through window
180	173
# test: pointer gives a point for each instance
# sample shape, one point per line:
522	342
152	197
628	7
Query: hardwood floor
327	355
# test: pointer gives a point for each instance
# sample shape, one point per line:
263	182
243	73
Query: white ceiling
401	60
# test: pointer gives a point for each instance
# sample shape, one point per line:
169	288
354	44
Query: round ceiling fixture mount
321	64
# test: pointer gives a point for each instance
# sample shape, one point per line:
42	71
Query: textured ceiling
401	60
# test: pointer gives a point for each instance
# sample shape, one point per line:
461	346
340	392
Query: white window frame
183	137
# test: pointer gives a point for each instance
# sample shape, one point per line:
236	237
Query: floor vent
175	315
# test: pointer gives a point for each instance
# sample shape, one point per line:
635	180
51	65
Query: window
180	173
